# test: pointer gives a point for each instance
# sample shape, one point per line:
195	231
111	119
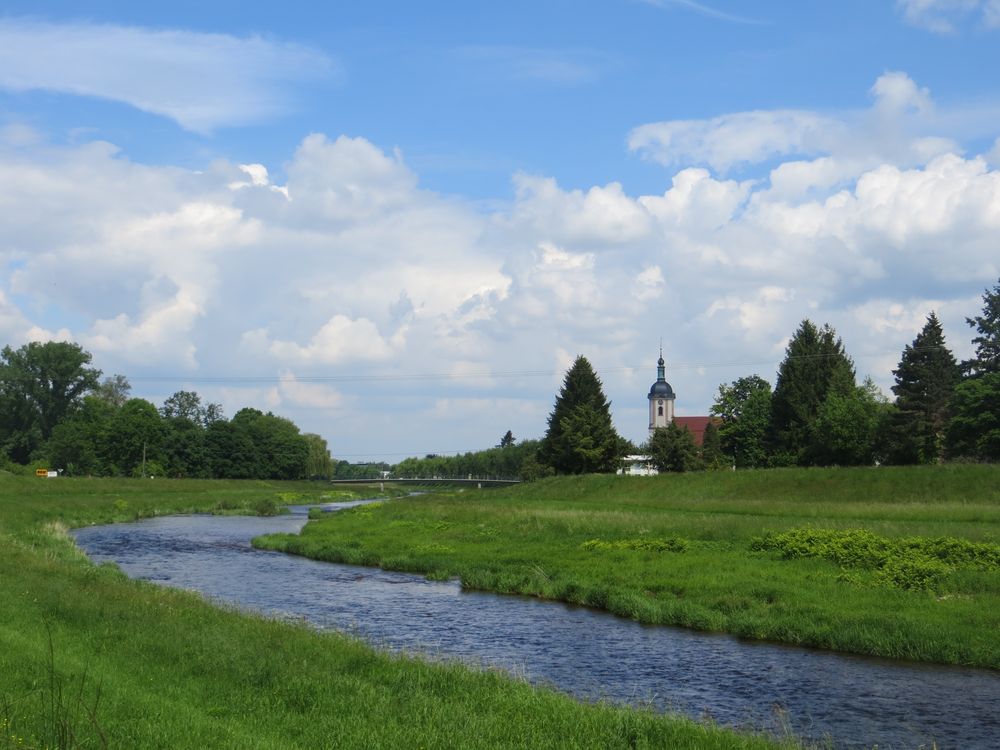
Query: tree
507	440
184	450
40	385
925	381
114	390
318	461
974	429
987	343
745	409
815	365
580	437
712	455
77	445
135	434
846	427
183	405
672	448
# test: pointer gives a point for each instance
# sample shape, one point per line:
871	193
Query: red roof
696	425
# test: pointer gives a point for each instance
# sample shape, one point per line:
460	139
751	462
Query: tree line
817	414
56	411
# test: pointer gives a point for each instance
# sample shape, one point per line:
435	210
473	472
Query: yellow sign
41	472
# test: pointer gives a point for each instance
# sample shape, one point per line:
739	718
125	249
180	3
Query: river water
849	700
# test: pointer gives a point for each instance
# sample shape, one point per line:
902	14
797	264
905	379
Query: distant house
661	413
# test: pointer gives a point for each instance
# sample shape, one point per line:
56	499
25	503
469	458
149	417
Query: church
661	414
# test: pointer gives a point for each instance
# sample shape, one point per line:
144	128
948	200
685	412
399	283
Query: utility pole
143	459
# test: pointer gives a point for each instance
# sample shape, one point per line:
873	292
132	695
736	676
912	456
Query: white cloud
898	127
341	339
202	81
944	16
732	140
360	272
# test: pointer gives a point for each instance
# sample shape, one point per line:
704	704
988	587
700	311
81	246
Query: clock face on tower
660	402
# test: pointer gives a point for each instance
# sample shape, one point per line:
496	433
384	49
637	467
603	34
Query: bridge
434	481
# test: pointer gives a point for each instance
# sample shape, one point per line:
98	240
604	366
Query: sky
398	223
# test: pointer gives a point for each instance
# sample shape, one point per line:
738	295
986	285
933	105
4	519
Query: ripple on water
855	700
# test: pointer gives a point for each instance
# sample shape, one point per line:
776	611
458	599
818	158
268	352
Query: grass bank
91	659
895	562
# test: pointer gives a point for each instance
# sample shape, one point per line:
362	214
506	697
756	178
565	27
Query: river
849	700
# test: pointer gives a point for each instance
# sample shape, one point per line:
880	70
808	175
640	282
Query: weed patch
914	563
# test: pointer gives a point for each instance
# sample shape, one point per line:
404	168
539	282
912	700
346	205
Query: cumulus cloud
355	270
898	127
201	81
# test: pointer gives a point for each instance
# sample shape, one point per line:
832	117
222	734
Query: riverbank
89	658
895	562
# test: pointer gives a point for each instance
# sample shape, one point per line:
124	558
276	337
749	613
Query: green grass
91	659
692	550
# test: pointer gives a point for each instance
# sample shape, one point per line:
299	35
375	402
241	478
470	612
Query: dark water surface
855	701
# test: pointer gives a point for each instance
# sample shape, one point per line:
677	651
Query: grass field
895	562
91	659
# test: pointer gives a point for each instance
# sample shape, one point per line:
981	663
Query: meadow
92	659
897	562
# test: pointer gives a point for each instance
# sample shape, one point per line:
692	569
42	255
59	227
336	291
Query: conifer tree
815	365
672	448
987	343
580	438
974	429
925	381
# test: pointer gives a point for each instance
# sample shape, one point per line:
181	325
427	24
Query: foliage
319	464
347	470
672	448
580	438
507	440
40	385
745	409
925	380
640	544
510	462
114	390
987	341
974	429
908	562
135	434
188	405
846	427
815	365
712	455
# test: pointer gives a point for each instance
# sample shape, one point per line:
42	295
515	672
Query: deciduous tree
745	409
40	385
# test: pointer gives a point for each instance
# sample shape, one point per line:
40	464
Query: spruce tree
580	438
815	365
925	381
672	448
987	343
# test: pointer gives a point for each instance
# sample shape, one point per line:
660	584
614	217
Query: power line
483	374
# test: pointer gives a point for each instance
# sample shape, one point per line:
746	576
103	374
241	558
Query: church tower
661	398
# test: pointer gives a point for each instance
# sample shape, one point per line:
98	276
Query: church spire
661	366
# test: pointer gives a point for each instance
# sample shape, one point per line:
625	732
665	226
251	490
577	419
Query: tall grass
681	550
89	658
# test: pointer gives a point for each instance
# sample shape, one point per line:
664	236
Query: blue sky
288	206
